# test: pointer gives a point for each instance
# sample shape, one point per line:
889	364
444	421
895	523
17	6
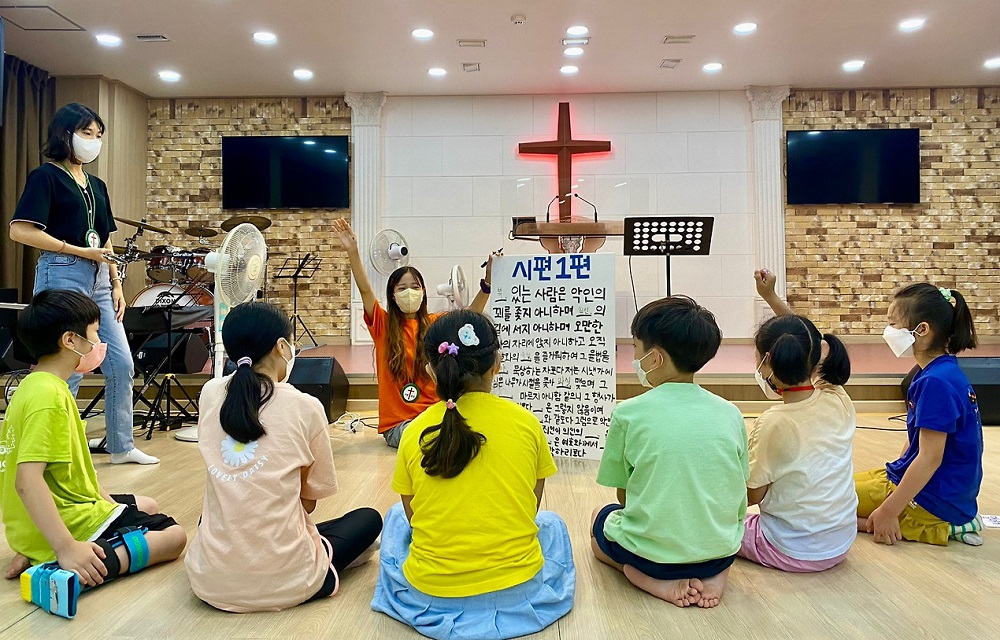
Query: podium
668	236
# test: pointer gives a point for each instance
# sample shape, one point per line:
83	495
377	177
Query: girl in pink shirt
267	452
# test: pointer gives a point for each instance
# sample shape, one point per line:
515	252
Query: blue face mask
637	365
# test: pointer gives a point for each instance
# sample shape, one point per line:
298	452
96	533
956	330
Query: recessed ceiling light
437	72
912	24
744	28
578	30
992	63
170	76
422	34
303	74
309	142
573	51
265	37
569	70
853	65
108	40
329	151
712	67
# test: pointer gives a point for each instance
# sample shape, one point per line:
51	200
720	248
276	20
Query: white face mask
86	149
409	300
764	384
289	364
899	340
637	365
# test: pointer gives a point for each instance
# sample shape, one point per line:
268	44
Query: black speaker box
190	355
324	379
984	374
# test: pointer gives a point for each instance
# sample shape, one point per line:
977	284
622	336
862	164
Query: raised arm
765	281
350	242
479	302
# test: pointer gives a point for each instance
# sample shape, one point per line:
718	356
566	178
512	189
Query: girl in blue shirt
929	493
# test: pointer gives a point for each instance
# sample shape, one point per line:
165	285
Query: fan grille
241	264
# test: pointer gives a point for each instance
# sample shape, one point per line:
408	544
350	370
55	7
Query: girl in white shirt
801	473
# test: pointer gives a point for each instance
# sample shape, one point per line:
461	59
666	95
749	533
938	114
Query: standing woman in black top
66	213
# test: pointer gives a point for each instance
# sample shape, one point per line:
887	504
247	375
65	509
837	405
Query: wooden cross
564	147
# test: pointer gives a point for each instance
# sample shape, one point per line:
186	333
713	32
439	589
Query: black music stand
297	269
668	236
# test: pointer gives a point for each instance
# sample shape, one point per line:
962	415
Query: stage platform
874	385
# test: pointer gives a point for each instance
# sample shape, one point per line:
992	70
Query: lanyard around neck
90	204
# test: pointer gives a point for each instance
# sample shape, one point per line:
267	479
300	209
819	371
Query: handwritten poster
555	315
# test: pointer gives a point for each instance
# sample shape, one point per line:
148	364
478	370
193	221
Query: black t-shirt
52	200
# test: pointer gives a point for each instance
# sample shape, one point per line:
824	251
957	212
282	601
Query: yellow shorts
915	523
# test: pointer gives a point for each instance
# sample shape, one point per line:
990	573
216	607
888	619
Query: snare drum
163	265
164	294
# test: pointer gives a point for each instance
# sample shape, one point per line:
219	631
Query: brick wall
844	262
184	181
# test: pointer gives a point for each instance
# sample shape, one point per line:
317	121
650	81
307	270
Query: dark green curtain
28	105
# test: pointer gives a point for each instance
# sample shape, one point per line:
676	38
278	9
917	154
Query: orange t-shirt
392	409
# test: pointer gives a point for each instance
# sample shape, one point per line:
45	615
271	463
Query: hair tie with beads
447	347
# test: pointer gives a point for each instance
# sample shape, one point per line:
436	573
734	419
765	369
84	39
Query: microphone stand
577	195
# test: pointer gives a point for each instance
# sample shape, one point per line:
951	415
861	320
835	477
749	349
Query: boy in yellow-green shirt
677	455
53	507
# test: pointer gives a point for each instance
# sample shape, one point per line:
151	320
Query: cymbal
201	232
142	225
258	221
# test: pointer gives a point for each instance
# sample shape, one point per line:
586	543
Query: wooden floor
905	591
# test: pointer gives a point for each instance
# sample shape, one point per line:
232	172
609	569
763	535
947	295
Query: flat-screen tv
285	172
856	166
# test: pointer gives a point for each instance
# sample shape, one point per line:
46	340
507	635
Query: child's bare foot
676	592
17	566
710	589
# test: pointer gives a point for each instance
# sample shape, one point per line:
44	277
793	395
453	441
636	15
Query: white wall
453	179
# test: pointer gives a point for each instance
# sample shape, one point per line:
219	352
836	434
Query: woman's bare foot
17	566
676	592
710	589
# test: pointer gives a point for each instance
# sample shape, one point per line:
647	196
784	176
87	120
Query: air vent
669	63
470	67
152	37
472	43
677	39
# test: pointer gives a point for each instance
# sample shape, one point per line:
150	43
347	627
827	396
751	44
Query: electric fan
455	289
239	272
388	251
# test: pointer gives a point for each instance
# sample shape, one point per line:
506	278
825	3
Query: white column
769	230
366	204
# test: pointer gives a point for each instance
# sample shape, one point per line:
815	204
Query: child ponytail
794	345
250	332
836	367
461	347
945	310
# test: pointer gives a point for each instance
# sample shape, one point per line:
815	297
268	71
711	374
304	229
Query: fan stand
296	269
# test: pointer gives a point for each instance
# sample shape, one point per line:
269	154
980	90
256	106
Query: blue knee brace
53	589
134	539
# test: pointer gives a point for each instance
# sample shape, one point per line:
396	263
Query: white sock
365	556
133	455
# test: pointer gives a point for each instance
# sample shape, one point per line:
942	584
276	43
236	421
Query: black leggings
350	535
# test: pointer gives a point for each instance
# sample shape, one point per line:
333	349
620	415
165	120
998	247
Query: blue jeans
62	271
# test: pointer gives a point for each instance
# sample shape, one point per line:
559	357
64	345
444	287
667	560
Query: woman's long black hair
456	371
250	331
793	343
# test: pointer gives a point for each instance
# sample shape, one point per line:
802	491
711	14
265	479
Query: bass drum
164	294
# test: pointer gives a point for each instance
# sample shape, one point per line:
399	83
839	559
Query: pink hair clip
450	404
451	349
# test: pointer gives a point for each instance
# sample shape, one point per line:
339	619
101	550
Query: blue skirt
516	611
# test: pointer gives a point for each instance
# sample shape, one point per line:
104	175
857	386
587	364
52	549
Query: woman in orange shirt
404	388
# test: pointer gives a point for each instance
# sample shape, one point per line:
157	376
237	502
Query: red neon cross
564	147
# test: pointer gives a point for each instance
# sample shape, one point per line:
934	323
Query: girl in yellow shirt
467	554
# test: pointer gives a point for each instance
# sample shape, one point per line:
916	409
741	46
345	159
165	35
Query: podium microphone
550	206
577	195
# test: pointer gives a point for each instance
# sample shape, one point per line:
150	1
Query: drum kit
178	274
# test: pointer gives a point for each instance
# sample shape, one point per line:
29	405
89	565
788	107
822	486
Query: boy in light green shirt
677	455
53	507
